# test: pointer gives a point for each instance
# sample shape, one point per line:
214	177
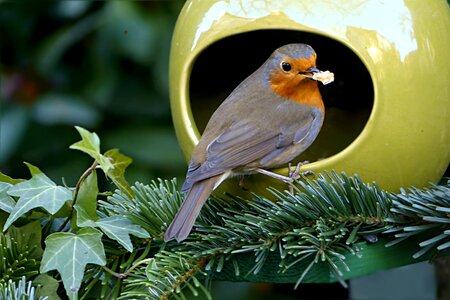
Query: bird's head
291	70
294	62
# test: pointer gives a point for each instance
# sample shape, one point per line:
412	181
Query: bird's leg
292	175
296	173
287	179
275	175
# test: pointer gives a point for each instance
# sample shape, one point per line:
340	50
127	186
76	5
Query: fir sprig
18	290
115	248
153	206
20	252
165	276
422	212
320	223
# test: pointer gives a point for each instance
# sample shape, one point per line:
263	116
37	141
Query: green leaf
39	191
115	227
151	267
119	228
7	179
117	173
86	203
46	286
90	144
28	237
69	253
7	203
33	169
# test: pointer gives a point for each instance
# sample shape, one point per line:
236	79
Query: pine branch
165	276
19	259
423	212
21	289
153	206
320	224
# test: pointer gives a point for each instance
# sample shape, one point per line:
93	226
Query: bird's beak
309	73
313	70
315	74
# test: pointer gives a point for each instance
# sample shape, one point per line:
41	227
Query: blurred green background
102	65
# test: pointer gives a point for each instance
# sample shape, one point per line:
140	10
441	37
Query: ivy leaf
90	144
113	163
33	169
117	173
69	253
7	179
6	201
47	286
86	203
39	191
119	228
115	227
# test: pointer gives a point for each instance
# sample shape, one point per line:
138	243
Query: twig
77	190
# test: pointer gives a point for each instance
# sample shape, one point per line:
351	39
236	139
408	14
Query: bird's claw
296	174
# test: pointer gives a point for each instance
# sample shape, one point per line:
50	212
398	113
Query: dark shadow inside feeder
348	100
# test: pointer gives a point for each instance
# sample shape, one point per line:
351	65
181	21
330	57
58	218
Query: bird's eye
285	66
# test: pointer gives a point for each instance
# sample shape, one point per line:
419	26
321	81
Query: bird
267	120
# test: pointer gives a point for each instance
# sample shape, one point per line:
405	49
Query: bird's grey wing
239	145
244	143
293	140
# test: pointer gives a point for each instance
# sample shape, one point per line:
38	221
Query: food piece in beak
325	77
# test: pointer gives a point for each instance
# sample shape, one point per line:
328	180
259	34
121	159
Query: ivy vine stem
86	173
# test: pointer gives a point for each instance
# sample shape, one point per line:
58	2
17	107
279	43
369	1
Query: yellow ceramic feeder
388	111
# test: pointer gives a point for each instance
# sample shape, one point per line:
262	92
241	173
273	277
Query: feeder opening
348	101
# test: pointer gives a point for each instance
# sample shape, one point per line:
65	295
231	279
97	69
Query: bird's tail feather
184	220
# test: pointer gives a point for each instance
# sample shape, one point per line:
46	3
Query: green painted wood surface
372	258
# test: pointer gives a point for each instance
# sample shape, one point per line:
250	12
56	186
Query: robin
267	121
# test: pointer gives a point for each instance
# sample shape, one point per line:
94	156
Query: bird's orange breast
304	91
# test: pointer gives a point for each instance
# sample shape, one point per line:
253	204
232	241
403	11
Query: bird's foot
296	174
292	174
